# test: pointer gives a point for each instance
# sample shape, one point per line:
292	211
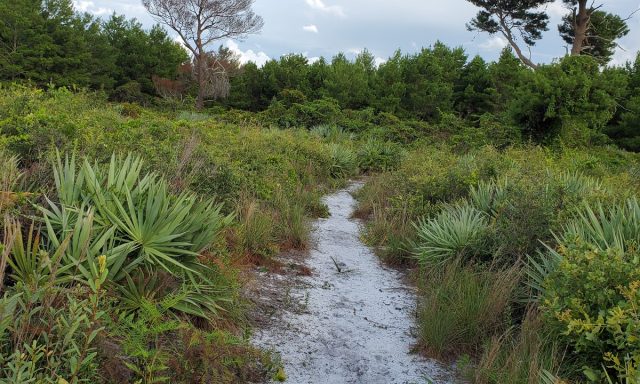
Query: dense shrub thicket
442	89
574	99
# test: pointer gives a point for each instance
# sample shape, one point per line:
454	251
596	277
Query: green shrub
375	156
526	216
131	110
307	114
592	301
130	92
193	116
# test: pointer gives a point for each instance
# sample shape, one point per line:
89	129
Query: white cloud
495	43
259	58
90	7
556	10
310	28
378	61
321	6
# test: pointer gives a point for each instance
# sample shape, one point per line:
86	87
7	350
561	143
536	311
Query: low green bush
374	156
592	300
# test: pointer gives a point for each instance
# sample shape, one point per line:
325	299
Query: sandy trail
355	325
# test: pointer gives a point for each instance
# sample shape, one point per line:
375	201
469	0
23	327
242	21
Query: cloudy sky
326	27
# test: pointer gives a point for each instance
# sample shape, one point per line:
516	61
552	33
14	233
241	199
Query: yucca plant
68	180
537	270
137	224
375	155
87	241
343	161
135	214
458	231
197	299
486	196
30	263
577	184
331	133
615	227
618	226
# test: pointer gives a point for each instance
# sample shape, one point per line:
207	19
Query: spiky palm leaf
618	226
486	196
456	231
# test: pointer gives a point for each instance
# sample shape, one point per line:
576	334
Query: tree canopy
600	38
514	20
48	42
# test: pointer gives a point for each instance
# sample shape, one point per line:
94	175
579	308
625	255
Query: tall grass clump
521	355
10	175
460	306
255	233
293	225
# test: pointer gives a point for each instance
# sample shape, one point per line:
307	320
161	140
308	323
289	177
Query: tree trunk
525	60
200	73
580	26
200	98
506	32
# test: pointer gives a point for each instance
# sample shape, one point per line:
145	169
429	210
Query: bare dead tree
200	23
216	74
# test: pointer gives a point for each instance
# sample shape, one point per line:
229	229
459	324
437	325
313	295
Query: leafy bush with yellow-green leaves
592	299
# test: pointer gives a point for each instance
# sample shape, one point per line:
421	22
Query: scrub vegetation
130	221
